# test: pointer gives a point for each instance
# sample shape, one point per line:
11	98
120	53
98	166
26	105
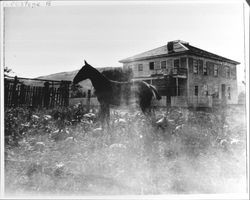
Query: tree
118	74
76	91
7	71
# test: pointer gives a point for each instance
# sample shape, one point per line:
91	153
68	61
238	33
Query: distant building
187	75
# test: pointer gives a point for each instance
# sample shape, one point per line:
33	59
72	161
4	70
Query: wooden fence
46	93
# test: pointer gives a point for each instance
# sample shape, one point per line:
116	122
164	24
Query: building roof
178	47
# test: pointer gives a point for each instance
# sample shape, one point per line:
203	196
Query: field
65	152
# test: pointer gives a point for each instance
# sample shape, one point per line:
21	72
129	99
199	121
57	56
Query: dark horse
115	93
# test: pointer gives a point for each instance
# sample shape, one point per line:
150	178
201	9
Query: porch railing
192	101
179	72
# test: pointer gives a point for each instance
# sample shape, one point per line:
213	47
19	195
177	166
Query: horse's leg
107	107
105	115
102	114
145	105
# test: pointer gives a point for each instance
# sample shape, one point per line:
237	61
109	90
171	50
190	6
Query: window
233	72
140	67
151	65
183	62
204	69
215	70
169	63
163	64
196	90
229	92
195	66
205	87
227	72
200	66
216	92
176	63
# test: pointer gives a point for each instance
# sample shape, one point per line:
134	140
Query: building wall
204	82
211	83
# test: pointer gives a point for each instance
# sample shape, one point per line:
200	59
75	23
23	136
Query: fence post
46	94
67	85
22	94
64	93
14	92
88	99
6	92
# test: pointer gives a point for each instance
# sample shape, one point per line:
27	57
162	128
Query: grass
63	152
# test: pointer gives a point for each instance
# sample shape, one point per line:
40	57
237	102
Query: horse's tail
155	92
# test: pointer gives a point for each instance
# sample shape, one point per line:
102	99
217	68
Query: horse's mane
100	74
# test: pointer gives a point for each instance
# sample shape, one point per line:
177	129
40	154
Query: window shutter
220	70
200	64
208	68
190	64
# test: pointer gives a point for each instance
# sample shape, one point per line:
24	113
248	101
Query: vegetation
77	91
63	151
7	71
118	74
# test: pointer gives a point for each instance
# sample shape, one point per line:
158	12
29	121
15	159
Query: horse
114	93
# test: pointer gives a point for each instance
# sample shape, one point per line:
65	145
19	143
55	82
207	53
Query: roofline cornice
151	57
188	52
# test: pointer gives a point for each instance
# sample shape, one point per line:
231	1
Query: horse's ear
85	62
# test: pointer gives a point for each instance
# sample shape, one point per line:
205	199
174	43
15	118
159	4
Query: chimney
170	47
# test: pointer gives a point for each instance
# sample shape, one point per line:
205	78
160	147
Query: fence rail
50	93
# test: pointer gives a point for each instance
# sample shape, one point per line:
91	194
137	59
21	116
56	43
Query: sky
48	39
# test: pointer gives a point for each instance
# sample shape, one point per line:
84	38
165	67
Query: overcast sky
45	40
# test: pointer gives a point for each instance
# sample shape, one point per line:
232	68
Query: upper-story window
205	69
227	72
200	66
169	63
140	67
183	62
163	64
176	63
233	72
215	70
195	66
151	65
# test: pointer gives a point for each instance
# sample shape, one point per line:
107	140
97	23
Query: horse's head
83	73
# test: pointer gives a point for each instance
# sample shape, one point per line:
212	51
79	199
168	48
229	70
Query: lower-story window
229	92
205	90
151	65
196	90
216	92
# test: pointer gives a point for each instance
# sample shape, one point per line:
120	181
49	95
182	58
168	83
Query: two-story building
187	75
